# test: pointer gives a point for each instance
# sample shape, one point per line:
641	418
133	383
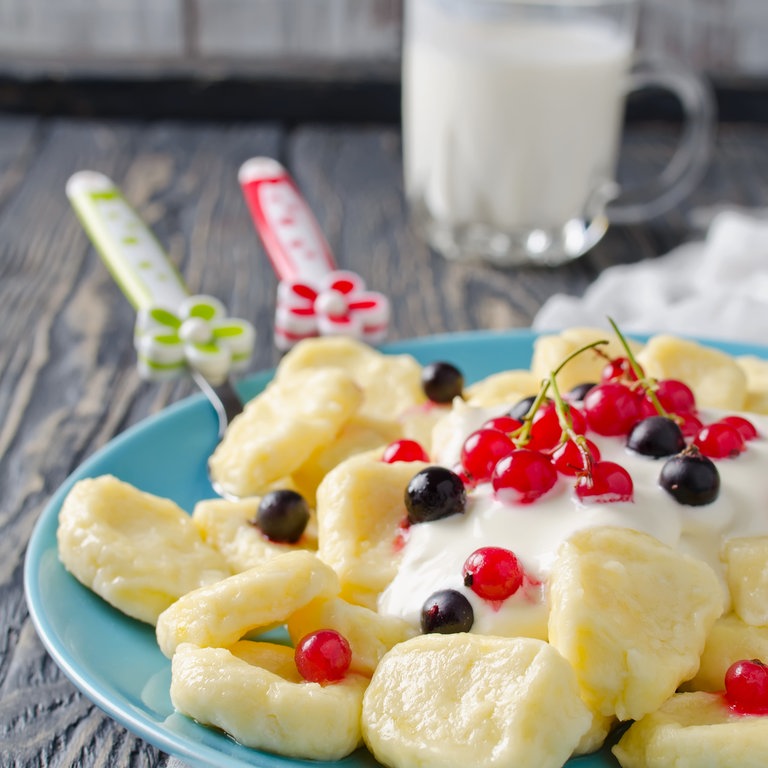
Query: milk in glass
510	123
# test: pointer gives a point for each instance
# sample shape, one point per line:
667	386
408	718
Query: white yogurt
512	124
435	552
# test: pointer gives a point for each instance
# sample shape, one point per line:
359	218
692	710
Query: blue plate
114	660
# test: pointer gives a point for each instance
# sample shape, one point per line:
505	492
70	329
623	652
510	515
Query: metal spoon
176	332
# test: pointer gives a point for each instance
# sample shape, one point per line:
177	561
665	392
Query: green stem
580	350
638	371
523	434
566	424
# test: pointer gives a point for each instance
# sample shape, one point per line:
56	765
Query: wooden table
68	381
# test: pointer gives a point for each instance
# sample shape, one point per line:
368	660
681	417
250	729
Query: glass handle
691	158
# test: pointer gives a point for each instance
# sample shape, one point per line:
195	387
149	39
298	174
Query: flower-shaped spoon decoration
175	332
314	298
198	334
335	305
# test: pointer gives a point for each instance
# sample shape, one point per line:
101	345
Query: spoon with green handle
176	333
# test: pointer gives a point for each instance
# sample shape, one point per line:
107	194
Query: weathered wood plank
99	28
285	30
317	40
723	37
67	377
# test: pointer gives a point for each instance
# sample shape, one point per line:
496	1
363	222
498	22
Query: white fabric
716	288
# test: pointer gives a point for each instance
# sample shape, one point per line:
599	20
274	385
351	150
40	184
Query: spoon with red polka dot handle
314	297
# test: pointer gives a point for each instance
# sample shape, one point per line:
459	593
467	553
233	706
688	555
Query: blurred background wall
305	38
313	38
292	60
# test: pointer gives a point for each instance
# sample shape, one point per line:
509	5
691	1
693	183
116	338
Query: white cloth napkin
716	288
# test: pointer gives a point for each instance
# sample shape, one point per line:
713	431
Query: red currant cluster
404	450
625	396
543	437
522	454
522	457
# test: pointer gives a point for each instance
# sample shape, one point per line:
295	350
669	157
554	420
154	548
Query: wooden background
68	381
318	39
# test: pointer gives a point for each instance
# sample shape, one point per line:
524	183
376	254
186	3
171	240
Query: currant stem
580	350
566	424
522	435
638	371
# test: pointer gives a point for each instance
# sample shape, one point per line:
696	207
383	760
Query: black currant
447	611
577	393
442	382
690	478
656	436
520	409
282	516
434	493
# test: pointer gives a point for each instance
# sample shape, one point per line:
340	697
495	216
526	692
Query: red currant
689	423
746	687
675	396
607	482
719	441
647	408
503	424
493	573
523	476
578	420
482	450
612	409
745	426
404	450
323	656
547	431
618	369
569	460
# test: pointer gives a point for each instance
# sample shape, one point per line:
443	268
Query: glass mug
512	117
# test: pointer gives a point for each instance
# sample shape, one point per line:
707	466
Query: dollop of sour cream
434	552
